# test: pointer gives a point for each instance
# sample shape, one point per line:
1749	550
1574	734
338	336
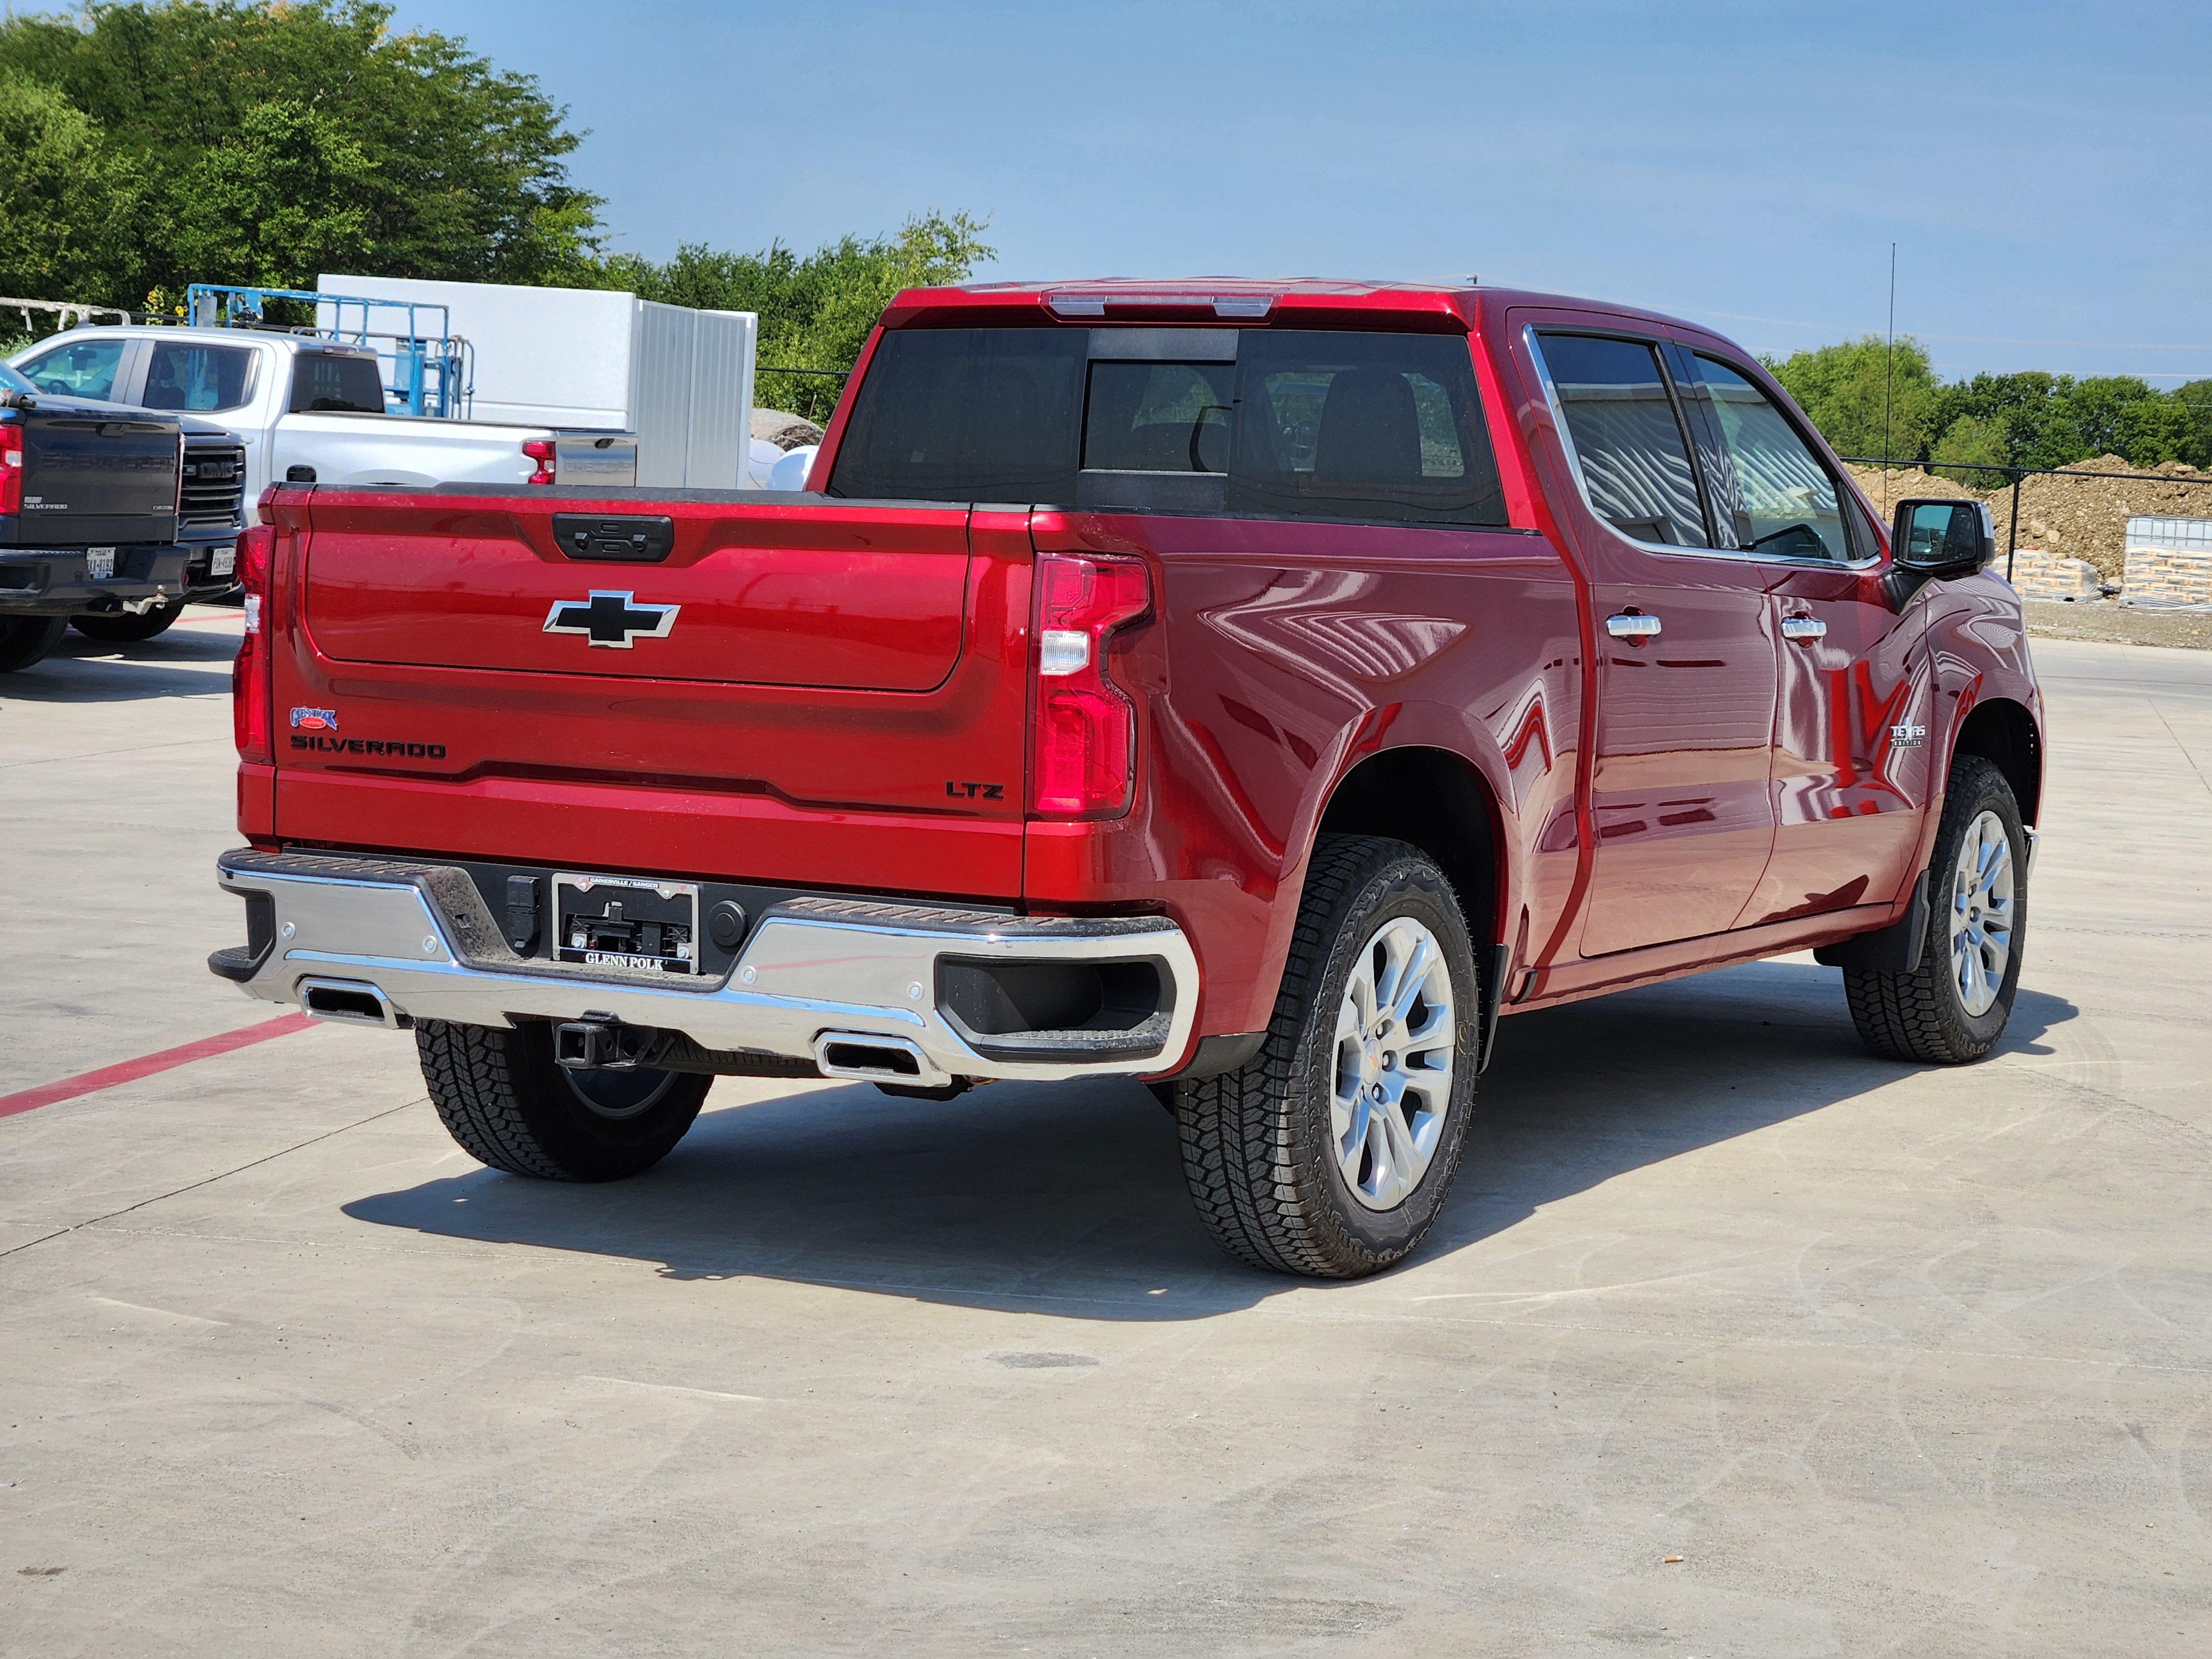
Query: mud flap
1892	949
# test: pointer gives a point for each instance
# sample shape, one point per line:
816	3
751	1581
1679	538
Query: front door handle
1803	629
1632	625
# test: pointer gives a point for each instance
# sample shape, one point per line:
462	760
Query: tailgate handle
628	538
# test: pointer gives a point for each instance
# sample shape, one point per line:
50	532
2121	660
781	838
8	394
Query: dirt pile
2074	517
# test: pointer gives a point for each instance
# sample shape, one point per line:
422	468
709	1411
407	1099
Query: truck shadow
190	660
1068	1199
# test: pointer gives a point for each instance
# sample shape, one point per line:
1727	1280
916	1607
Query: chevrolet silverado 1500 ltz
1258	689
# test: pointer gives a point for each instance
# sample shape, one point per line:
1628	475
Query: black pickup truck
98	520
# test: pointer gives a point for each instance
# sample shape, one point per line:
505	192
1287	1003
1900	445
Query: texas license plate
223	561
99	563
627	921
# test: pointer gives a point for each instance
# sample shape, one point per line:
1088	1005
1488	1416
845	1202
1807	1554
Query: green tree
1970	437
276	201
468	179
815	310
64	199
2195	400
1860	394
2109	414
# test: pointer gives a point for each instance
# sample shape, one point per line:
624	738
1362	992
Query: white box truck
682	380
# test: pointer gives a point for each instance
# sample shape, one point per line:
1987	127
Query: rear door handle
1803	629
1632	625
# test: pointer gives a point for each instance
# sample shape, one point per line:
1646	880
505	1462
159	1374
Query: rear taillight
250	714
11	467
1083	764
542	451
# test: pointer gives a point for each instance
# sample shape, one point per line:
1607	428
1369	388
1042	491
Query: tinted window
1370	427
80	368
966	415
1634	466
1159	418
1305	422
337	385
186	376
1771	494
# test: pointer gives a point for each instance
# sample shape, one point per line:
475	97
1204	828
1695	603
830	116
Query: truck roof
308	341
1287	301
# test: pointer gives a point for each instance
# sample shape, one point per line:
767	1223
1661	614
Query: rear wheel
121	627
25	639
1330	1152
506	1104
1952	1007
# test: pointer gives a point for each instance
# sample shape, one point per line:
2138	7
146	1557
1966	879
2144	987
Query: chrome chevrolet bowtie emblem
614	619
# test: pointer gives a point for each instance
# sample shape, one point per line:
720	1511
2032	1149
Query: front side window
1771	494
78	369
1629	451
329	383
200	377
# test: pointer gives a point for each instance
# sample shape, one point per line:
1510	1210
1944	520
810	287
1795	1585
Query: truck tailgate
793	693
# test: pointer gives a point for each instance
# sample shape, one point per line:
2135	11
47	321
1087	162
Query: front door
1680	801
1850	757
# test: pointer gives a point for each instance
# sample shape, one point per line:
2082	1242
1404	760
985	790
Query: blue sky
2046	171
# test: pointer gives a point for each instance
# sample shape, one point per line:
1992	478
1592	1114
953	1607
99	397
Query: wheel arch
2003	732
1440	802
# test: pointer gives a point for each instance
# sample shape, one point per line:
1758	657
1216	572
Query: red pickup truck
1257	689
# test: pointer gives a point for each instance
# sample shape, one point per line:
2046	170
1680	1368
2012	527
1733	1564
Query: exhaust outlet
868	1058
351	1001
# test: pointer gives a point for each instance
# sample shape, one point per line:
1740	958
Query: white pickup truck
298	400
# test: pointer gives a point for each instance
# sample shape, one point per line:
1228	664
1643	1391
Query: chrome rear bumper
817	980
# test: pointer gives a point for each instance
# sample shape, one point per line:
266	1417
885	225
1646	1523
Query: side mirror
1943	539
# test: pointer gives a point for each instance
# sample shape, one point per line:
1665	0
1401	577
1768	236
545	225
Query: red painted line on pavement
130	1071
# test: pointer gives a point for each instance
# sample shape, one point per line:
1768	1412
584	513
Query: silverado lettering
316	742
1363	665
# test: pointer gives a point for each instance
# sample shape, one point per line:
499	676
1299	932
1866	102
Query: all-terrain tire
120	628
1259	1146
1923	1015
25	639
506	1104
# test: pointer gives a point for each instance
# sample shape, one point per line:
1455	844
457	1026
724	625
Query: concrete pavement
1894	1360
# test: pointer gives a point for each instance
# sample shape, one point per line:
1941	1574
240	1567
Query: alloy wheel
1982	912
1395	1047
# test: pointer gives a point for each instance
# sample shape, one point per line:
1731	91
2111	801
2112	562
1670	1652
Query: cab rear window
1295	423
326	382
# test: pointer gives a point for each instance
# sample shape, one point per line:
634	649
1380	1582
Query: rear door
1684	639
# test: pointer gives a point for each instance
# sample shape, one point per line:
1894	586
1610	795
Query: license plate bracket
625	922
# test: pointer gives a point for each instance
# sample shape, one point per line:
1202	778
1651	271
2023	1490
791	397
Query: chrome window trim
1664	549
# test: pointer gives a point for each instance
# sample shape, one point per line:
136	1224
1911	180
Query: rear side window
325	381
1304	423
966	415
1771	494
82	368
1629	450
200	377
